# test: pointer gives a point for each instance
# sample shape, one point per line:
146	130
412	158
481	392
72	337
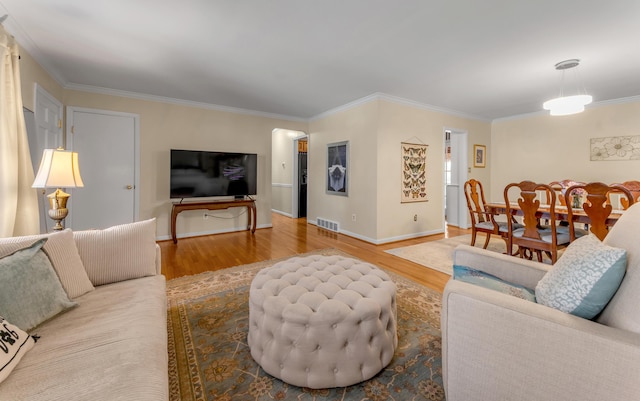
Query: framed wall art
615	148
338	168
479	156
414	172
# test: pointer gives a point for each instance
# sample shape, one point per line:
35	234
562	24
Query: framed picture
414	172
338	168
479	156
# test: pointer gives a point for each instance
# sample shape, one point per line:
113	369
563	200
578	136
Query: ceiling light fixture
565	105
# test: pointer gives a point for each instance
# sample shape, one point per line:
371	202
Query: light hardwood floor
288	237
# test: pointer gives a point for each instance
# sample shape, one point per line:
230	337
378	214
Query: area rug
209	358
438	255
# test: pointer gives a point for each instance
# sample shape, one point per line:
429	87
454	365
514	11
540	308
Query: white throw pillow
14	343
63	253
584	278
118	253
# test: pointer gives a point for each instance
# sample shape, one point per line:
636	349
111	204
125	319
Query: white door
107	146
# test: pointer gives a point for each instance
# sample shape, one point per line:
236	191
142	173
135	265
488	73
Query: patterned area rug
438	255
209	358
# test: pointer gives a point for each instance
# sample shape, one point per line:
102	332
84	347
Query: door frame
459	156
136	152
295	190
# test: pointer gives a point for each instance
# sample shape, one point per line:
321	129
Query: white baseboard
384	240
209	232
282	213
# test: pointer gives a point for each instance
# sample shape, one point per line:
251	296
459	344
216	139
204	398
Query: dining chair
596	204
482	220
526	198
634	188
560	187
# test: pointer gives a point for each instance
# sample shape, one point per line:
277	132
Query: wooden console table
250	204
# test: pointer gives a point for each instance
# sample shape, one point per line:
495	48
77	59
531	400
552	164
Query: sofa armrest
500	347
519	271
158	260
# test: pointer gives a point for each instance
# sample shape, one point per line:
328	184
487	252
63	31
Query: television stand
178	207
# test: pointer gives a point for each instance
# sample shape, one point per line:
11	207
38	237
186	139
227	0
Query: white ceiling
300	58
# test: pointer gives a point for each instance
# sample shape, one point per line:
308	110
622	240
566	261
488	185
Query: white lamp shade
58	169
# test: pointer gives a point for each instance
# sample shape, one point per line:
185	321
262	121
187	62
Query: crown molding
397	100
25	42
180	102
602	103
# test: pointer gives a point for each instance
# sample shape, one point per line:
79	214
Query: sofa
108	338
497	346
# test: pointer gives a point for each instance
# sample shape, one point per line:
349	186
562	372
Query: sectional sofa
104	337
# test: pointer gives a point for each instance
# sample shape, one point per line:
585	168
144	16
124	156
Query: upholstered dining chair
525	198
596	205
560	187
481	220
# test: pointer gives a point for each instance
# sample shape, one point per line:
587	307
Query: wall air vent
328	224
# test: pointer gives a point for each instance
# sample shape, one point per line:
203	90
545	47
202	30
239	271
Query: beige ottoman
322	321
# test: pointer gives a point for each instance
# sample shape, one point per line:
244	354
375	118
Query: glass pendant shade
562	106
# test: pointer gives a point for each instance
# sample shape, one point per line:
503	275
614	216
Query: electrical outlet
415	217
205	216
353	217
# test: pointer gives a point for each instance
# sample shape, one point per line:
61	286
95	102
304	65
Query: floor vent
328	224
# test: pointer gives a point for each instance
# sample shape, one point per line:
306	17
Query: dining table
561	212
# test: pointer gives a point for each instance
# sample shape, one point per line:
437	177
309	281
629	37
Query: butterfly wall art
414	172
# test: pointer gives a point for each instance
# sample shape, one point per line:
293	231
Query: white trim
346	106
25	42
398	100
602	103
281	185
180	102
282	213
383	240
210	232
423	106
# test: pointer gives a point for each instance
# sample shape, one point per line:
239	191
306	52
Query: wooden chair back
596	205
634	188
530	206
474	193
560	187
481	219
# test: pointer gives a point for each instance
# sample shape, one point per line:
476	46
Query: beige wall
164	126
358	125
543	148
375	130
399	123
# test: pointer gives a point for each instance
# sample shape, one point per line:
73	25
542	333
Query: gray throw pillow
30	291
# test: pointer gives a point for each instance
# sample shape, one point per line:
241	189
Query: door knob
129	187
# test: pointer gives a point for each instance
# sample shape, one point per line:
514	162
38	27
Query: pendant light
565	105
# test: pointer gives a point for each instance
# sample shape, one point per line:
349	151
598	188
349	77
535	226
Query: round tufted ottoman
322	321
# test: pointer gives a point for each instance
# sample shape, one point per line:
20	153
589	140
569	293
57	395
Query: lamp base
58	207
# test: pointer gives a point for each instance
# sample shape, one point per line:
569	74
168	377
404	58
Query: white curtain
18	201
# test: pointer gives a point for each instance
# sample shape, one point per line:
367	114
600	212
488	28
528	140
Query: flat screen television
198	173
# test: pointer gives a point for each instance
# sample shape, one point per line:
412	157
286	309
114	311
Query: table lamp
58	169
